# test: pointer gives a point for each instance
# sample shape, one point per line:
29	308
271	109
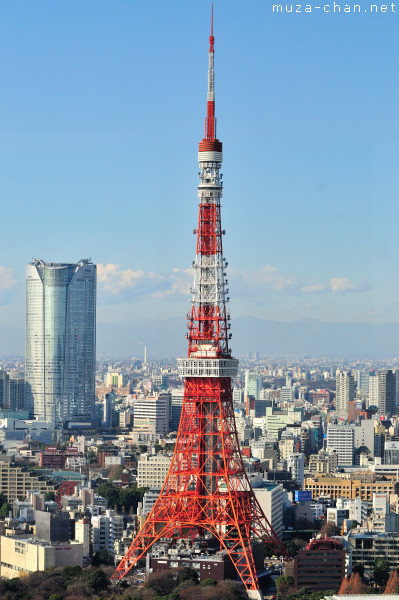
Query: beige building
20	555
340	487
16	481
323	462
152	470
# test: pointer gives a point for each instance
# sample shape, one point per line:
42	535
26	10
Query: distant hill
166	337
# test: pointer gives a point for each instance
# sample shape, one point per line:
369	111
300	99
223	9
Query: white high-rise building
153	413
345	390
296	464
60	340
341	438
374	390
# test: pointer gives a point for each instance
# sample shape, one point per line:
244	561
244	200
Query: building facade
320	566
345	390
60	340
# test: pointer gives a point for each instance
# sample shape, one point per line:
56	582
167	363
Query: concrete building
366	547
105	529
253	384
152	415
24	555
357	509
149	499
4	390
114	380
52	527
60	341
345	391
175	408
350	441
391	453
387	392
343	487
320	566
270	498
276	421
323	462
152	470
16	390
374	391
362	381
16	481
83	535
296	464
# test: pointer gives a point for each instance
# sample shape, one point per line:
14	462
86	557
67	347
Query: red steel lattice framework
207	489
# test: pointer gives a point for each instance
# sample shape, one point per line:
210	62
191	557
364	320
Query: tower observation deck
207	491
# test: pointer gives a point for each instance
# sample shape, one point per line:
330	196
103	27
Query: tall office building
253	384
60	340
362	380
16	390
387	385
374	390
4	390
345	390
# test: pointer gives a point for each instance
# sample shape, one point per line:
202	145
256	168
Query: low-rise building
366	547
345	487
320	566
152	470
21	555
16	481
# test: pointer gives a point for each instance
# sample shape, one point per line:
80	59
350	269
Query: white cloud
179	282
341	284
7	279
115	280
314	288
266	277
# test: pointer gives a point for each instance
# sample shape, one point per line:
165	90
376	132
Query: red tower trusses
207	490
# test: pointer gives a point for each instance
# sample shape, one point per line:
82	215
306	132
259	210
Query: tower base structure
207	490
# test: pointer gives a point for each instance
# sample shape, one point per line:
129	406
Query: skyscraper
345	390
60	340
4	390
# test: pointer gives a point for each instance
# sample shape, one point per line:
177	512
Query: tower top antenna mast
211	38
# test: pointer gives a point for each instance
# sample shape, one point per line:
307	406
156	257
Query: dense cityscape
320	442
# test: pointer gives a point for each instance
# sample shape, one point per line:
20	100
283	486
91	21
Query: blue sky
102	107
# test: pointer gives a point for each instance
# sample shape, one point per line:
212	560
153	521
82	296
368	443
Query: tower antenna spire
211	37
210	121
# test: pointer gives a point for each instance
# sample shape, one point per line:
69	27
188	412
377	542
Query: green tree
103	558
358	568
97	580
49	496
381	571
72	572
284	584
5	510
208	581
291	548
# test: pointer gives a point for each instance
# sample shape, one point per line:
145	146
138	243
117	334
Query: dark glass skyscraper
60	340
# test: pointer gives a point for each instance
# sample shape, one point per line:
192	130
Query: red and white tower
207	490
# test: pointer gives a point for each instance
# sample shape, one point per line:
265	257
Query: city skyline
92	129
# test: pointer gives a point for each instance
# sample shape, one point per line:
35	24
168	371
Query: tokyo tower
207	490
